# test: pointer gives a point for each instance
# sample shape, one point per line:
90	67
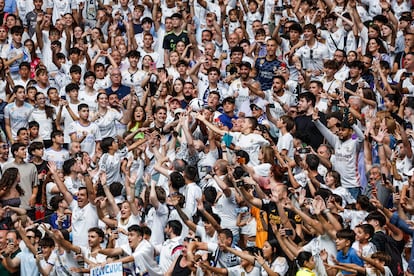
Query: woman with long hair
106	117
45	116
375	48
97	43
178	88
10	189
35	60
173	59
6	83
273	264
138	122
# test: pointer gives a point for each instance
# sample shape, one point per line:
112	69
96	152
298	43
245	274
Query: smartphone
39	250
271	105
397	189
206	169
153	65
10	241
335	102
63	97
407	74
289	232
304	150
384	178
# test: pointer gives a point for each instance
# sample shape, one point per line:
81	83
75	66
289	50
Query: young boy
113	160
363	233
15	53
346	254
85	132
34	131
285	142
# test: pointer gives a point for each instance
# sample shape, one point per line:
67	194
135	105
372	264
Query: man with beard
243	88
268	65
171	248
305	128
346	151
343	71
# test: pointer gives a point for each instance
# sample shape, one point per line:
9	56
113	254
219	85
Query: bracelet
262	263
380	145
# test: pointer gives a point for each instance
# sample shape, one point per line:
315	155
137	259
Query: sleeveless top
178	270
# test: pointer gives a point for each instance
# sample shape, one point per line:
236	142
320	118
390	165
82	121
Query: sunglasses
4	146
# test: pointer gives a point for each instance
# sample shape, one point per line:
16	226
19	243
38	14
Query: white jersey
18	116
93	135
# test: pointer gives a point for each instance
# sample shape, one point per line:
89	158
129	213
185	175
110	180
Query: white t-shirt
106	123
45	124
18	116
225	207
67	120
82	220
285	142
93	135
250	143
144	259
158	224
191	192
279	265
122	238
59	157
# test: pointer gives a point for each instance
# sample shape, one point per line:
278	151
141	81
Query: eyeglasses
256	108
5	146
31	237
115	75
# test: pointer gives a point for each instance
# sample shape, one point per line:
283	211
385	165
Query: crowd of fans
198	137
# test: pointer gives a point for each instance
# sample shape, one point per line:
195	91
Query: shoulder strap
333	40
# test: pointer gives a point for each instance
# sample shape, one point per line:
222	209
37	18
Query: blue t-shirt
226	120
266	70
53	221
121	92
350	258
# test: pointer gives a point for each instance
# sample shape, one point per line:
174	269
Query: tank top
178	270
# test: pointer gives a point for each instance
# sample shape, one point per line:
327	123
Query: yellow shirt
303	271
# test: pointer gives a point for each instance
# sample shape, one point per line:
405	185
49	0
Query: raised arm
183	216
62	187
